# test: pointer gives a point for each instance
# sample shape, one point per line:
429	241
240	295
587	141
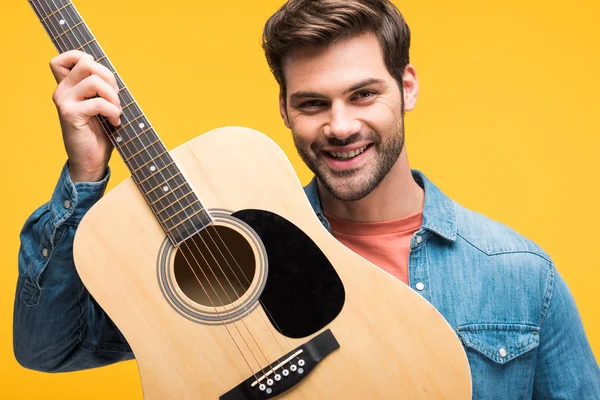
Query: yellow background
506	123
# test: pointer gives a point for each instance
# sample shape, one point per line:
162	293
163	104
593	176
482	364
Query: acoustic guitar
226	284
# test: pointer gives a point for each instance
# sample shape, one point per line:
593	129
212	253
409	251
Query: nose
342	123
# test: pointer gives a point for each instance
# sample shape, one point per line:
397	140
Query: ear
283	109
411	87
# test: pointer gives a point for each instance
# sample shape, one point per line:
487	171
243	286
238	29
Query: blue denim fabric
57	325
500	292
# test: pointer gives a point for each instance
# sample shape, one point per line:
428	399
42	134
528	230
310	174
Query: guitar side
392	343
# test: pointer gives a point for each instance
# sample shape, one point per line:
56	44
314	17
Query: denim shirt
500	292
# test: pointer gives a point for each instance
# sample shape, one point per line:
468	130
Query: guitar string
190	252
101	122
66	47
247	281
187	261
224	258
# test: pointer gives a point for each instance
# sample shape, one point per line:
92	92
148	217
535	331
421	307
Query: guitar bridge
286	372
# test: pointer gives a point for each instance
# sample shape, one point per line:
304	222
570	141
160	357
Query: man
345	78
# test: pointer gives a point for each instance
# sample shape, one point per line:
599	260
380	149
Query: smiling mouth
347	155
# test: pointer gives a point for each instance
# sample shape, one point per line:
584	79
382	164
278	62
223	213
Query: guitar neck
167	192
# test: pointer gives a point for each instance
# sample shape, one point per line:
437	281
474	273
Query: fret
178	202
148	132
144	148
184	210
159	163
149	161
124	107
166	194
129	123
147	155
157	172
130	141
102	60
85	44
189	227
174	198
148	183
119	80
187	219
68	30
42	9
154	190
54	12
177	208
48	7
132	111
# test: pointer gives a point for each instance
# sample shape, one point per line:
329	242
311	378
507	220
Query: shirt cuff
71	201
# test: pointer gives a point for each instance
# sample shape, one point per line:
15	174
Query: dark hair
302	23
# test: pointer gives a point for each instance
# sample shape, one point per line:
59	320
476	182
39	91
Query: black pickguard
303	292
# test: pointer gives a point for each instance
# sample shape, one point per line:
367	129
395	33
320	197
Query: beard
355	184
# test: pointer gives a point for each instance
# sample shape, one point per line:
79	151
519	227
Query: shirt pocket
501	357
500	343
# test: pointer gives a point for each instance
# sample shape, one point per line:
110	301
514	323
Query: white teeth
350	154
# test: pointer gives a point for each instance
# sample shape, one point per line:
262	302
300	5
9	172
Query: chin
347	189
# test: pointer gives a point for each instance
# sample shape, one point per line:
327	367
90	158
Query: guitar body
391	343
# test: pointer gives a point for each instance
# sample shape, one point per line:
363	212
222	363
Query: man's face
345	111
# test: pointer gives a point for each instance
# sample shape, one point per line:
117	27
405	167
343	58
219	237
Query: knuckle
96	80
55	98
66	112
85	63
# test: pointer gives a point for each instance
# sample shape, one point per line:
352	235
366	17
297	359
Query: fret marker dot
62	22
142	125
153	168
119	139
166	188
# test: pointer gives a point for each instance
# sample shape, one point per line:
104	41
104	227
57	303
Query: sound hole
215	267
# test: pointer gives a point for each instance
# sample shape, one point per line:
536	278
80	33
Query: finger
94	85
62	64
98	106
87	67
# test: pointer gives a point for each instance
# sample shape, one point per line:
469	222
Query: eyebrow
366	82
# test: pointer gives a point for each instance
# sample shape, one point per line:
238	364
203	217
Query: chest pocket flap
500	342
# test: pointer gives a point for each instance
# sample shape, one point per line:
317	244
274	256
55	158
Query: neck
397	196
160	181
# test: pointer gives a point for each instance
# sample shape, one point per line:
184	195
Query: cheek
306	130
382	119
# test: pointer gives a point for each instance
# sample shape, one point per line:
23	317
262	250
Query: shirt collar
439	213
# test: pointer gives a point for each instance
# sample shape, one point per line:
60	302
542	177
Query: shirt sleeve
57	325
566	367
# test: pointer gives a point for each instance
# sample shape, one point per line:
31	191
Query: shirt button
502	352
420	286
67	204
419	239
45	252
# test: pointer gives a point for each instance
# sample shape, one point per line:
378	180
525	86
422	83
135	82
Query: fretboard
158	178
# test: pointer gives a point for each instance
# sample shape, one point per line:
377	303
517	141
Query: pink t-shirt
385	244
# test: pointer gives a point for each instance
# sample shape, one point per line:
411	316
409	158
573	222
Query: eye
311	104
364	94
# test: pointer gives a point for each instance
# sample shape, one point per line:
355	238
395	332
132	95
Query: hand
79	79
